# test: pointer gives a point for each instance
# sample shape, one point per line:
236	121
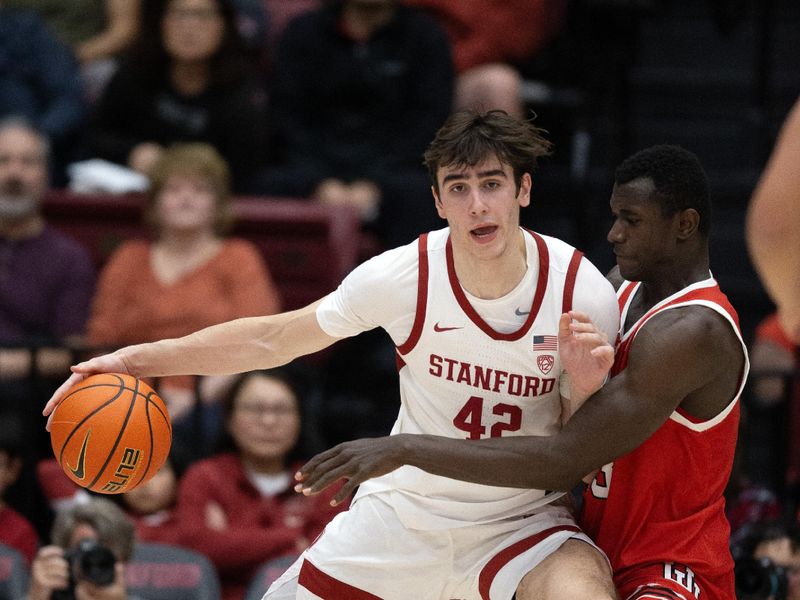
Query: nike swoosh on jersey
521	313
78	470
438	328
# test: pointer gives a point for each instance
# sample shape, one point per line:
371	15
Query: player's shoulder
699	328
402	258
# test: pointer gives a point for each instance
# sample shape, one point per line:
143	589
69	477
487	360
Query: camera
760	578
88	561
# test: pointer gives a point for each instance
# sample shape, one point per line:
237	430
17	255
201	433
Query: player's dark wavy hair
469	137
679	179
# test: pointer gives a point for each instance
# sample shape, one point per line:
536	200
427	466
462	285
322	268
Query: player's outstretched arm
678	352
773	219
233	347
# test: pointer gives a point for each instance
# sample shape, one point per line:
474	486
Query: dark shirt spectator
96	30
46	279
46	285
186	79
357	94
40	79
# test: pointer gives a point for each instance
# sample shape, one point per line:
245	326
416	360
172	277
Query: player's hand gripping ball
111	433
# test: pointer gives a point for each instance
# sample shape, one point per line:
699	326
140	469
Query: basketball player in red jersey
661	433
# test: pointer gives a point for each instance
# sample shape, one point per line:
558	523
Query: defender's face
643	238
481	204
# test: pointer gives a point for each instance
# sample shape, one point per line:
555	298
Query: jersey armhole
569	281
422	297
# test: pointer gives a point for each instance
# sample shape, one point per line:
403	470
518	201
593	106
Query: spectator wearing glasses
241	501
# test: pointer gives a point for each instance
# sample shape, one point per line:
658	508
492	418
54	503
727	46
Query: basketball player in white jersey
668	418
474	311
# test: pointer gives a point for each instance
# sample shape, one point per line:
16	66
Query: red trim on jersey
492	568
541	287
398	361
626	290
422	297
661	594
569	282
325	586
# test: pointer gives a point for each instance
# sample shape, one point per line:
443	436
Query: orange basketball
111	433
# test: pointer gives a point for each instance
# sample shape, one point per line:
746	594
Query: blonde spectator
189	275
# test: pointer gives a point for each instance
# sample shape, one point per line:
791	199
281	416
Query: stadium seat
14	574
266	574
165	572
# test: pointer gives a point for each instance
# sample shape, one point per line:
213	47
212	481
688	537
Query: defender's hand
356	461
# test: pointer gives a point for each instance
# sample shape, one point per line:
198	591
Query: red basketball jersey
660	508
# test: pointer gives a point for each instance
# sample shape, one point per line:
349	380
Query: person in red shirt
239	502
15	530
151	505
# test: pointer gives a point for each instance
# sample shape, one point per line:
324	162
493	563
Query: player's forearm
530	462
232	347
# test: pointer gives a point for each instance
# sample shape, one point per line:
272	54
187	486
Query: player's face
265	423
192	30
643	238
481	204
186	204
23	173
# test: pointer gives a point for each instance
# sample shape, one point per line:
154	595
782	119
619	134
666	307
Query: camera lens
95	563
760	578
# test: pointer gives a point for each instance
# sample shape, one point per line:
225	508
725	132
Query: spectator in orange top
240	503
189	275
488	38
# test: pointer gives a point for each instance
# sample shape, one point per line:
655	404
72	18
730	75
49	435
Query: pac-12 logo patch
545	362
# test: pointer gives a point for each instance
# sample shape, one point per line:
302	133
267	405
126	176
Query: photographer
91	543
768	562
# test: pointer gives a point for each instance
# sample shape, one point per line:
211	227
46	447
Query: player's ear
438	202
524	191
688	223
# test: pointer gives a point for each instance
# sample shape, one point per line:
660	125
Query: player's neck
495	277
673	279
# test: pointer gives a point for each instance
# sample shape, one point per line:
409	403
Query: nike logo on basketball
521	313
78	471
438	328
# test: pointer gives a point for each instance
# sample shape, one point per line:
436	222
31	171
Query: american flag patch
545	342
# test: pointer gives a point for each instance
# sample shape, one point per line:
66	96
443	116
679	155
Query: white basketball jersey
460	378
